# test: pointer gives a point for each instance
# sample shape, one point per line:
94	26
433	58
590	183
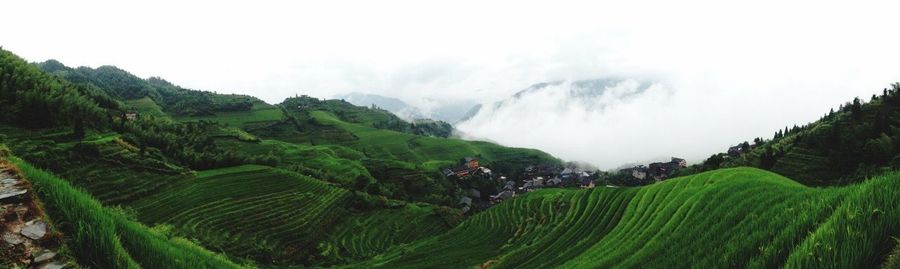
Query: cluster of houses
468	167
657	171
736	151
532	178
536	177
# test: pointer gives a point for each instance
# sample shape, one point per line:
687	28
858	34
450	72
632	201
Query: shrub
4	151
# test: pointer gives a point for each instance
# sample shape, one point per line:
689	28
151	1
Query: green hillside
388	157
857	141
146	106
259	114
735	218
172	99
406	166
297	108
430	152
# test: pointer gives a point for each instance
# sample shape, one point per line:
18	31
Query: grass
103	238
893	261
738	218
259	113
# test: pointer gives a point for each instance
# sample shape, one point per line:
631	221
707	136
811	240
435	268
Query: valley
142	173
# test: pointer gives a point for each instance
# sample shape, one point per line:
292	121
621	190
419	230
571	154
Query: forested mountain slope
174	100
34	99
859	140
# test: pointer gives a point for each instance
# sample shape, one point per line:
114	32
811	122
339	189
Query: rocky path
26	239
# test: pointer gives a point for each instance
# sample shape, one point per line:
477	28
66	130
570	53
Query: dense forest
122	85
34	99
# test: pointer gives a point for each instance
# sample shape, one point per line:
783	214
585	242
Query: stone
11	192
12	239
9	189
52	265
44	255
35	231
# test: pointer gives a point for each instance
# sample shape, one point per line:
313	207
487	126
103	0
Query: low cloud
722	72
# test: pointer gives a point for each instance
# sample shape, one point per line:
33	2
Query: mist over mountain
622	119
394	105
449	112
556	116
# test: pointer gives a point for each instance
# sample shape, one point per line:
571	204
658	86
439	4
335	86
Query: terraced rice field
121	176
734	218
333	163
802	161
103	238
116	174
259	113
146	106
368	234
254	212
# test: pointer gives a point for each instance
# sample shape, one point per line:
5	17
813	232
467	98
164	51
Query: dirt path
26	238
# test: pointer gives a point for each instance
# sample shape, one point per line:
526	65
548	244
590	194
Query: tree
856	108
767	159
879	149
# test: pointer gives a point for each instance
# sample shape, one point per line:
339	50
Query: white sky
776	62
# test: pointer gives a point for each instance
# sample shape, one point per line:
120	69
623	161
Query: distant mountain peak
585	91
558	110
448	112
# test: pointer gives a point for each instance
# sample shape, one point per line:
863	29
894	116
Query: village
646	174
482	188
